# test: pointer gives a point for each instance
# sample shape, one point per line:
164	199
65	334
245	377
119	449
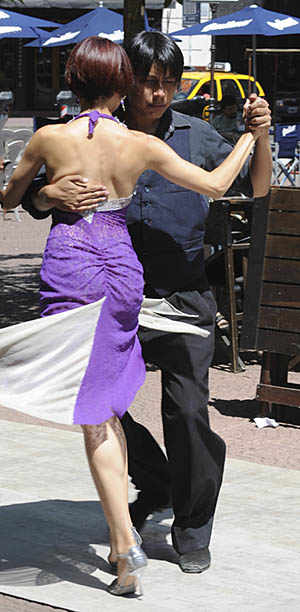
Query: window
230	87
205	11
245	86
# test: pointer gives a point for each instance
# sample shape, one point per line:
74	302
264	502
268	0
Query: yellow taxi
193	95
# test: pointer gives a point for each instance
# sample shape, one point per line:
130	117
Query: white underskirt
42	362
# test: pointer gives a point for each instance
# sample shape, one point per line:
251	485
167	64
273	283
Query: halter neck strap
93	118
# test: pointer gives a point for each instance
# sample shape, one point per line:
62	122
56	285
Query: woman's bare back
113	155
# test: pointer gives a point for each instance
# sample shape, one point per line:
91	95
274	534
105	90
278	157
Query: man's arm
258	118
30	197
66	195
69	193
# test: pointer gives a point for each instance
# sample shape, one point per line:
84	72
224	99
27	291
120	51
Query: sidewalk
53	535
54	543
13	123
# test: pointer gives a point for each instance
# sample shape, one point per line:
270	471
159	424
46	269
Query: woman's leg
107	455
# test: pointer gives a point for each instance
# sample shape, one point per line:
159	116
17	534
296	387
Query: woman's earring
123	104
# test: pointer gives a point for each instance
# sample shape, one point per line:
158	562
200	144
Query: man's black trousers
193	472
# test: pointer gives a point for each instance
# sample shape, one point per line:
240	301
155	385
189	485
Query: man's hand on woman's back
70	194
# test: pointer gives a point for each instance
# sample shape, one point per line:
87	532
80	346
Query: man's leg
195	453
148	468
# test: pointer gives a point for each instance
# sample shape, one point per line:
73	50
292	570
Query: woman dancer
88	258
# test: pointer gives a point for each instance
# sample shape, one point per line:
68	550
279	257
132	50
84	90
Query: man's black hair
147	48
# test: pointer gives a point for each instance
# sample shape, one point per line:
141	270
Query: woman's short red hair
98	67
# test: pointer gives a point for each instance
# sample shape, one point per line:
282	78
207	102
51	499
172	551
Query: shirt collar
171	121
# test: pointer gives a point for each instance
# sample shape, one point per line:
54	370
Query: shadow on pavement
155	535
19	294
51	541
48	541
287	416
245	409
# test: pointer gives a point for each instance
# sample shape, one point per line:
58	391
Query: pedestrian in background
229	121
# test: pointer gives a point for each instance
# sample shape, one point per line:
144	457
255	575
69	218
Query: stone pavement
53	537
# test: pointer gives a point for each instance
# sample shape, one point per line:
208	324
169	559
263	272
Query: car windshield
186	86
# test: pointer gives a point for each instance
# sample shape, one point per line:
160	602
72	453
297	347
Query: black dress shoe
195	562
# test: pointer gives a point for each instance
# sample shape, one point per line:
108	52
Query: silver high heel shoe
136	562
138	541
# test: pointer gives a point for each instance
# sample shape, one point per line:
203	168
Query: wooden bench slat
279	395
279	270
283	222
284	199
285	319
283	246
278	341
278	294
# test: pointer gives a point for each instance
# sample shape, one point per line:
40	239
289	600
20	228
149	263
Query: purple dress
88	258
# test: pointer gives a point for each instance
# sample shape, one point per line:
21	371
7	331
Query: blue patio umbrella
16	25
39	37
99	22
251	20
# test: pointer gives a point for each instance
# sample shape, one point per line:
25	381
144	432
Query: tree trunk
133	18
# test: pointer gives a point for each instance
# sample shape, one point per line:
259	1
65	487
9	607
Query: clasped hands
74	193
257	116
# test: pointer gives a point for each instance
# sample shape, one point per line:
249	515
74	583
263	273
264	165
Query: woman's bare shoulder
50	130
45	134
152	146
143	140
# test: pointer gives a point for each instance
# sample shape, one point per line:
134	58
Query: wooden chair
220	233
272	301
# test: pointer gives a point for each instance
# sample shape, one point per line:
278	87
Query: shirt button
147	188
146	203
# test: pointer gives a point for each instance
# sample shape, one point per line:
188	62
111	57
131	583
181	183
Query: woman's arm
161	158
25	172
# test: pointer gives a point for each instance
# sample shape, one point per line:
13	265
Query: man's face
153	95
230	111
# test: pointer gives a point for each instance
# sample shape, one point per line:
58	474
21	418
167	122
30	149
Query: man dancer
166	224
